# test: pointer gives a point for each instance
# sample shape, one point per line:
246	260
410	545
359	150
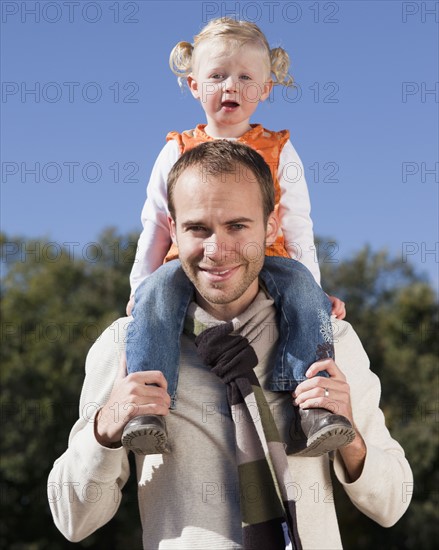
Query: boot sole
327	440
146	440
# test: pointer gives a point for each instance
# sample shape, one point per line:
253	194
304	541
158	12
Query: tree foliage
395	314
56	301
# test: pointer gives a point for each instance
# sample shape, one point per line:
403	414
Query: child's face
229	81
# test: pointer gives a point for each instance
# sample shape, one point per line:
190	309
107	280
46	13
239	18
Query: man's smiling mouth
216	274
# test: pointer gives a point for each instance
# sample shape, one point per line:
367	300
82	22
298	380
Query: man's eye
196	228
237	227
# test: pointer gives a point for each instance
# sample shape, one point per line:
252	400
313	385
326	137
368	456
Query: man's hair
221	156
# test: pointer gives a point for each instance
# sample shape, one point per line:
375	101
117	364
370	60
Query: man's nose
212	247
219	248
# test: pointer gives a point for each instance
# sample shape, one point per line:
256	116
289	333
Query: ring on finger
326	392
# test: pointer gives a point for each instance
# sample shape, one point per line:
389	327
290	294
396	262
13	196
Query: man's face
221	235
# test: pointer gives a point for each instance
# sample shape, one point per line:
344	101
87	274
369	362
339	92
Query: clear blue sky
365	122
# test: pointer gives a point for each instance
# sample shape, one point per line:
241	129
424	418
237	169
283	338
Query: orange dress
267	143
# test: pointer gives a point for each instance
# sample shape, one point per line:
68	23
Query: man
195	497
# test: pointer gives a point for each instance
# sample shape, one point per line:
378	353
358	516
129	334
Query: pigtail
280	65
180	60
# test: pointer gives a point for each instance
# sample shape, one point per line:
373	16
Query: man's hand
131	396
311	393
338	307
333	394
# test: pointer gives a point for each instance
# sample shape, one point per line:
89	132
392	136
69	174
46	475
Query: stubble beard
252	270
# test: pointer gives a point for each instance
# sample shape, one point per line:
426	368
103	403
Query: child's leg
153	343
305	332
153	337
305	337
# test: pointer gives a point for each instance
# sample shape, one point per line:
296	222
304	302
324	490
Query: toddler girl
230	68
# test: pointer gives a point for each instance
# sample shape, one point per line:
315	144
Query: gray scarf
232	350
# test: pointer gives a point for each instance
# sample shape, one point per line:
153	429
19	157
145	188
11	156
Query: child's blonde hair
181	60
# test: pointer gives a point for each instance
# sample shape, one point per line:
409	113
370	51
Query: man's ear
172	230
193	86
268	85
272	228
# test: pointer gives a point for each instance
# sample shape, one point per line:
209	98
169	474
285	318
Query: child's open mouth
229	105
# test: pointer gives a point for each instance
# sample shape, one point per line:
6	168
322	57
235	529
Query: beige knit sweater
189	499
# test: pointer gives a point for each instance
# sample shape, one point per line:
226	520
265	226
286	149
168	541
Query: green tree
56	301
395	314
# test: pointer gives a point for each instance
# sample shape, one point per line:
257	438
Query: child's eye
216	76
245	77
